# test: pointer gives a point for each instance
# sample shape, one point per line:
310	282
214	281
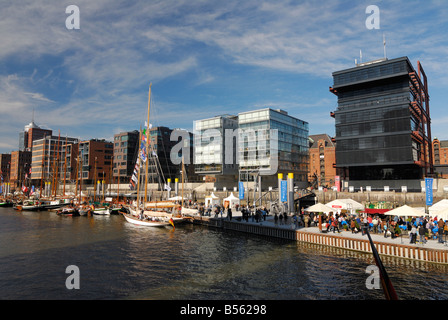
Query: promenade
431	251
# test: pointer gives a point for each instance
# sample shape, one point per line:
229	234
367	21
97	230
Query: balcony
334	91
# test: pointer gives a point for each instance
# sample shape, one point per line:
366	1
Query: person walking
441	225
335	224
353	226
306	219
422	233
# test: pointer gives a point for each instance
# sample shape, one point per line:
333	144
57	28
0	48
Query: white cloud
106	66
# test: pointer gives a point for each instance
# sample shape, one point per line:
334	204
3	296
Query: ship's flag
172	223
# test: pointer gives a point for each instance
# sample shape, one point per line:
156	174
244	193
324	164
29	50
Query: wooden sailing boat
183	211
139	215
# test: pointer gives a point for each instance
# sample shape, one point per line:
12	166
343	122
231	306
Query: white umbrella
405	211
345	204
435	208
442	214
319	207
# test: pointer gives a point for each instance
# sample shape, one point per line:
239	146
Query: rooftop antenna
384	44
360	56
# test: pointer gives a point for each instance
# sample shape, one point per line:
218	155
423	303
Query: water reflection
119	260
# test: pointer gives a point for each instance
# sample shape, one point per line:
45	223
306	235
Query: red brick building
5	163
322	169
440	151
96	156
20	167
31	133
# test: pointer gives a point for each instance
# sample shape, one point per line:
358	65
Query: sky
202	58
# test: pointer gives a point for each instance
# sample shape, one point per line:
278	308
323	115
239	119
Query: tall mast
111	177
95	183
147	147
80	183
57	166
65	163
118	185
139	169
182	201
77	176
42	168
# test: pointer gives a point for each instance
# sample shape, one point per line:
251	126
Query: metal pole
290	192
280	178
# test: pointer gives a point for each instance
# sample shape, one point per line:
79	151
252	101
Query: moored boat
146	221
6	203
84	210
68	211
55	204
29	205
101	211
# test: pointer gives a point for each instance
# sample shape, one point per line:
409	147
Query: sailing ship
151	214
29	205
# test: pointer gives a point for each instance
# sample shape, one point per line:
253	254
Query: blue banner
428	188
284	191
241	190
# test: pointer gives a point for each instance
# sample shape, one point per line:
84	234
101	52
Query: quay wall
383	248
418	253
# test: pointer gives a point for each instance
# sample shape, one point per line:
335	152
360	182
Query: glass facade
374	121
210	146
266	141
273	141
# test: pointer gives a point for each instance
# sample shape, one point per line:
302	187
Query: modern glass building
383	127
211	146
125	155
271	142
262	142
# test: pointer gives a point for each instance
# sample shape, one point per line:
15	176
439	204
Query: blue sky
203	58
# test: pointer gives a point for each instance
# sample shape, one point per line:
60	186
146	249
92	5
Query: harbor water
118	260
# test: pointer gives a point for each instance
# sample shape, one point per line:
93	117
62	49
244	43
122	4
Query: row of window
371	72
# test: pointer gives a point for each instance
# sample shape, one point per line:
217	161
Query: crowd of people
419	229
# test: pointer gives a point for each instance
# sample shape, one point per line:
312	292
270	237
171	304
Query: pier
432	251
